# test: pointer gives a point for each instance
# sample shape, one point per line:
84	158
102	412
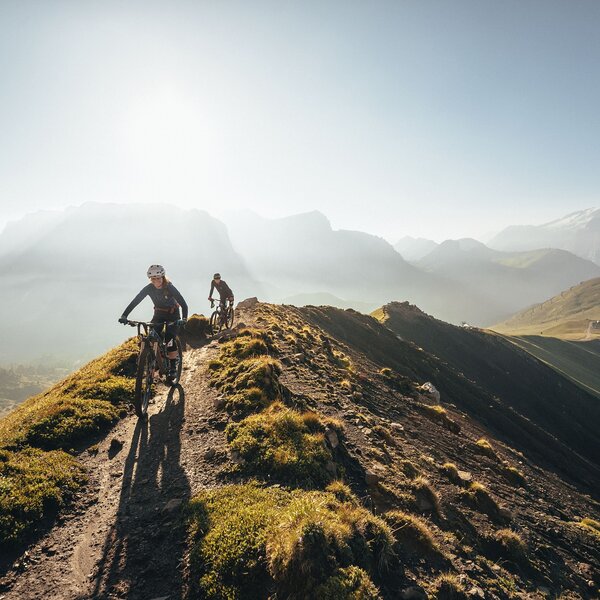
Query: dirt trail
123	538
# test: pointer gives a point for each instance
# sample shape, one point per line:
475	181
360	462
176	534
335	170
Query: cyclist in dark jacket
167	301
224	290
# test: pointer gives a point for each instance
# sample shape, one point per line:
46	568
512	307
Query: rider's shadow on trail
144	549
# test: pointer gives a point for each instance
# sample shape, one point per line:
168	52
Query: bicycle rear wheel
143	382
230	316
175	380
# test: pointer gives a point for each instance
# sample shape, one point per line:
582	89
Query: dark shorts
171	330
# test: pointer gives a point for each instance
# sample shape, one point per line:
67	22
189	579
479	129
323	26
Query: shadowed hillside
518	379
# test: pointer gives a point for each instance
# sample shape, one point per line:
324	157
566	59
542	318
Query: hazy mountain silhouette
69	275
578	232
510	279
412	249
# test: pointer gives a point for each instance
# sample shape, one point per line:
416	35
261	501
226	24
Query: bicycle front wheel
143	382
215	323
230	316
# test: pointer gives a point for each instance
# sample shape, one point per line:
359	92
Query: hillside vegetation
308	455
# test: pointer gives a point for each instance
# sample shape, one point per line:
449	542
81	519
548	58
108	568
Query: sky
426	118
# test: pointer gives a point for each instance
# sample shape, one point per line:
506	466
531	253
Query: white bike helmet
156	271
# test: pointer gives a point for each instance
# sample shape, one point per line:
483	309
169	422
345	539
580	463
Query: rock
331	468
367	431
414	592
115	445
423	502
219	403
476	592
172	505
357	395
430	389
210	454
247	303
464	476
332	438
397	427
299	357
372	477
236	458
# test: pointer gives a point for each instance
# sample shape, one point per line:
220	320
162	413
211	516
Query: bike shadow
143	551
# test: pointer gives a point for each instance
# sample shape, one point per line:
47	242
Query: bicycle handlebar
148	323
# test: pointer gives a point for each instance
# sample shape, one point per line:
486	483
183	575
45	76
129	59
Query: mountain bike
152	364
222	317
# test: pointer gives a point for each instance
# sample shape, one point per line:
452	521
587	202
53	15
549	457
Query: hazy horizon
428	119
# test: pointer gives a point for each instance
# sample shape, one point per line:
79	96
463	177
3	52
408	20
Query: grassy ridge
310	540
37	475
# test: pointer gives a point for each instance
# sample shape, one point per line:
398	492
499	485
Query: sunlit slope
568	315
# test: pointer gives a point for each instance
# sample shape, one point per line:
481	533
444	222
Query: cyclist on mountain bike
224	290
167	300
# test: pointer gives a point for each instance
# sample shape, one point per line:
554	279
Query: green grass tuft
84	403
197	326
33	485
351	583
246	541
590	525
283	444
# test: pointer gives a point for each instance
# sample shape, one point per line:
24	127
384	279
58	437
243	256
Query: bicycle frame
147	335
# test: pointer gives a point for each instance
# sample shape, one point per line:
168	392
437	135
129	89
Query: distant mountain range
578	232
68	274
413	249
507	279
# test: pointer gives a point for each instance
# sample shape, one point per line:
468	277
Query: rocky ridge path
123	537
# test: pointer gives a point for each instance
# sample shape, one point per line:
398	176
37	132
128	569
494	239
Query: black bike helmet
217	276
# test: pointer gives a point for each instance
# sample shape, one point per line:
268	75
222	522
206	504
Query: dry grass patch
409	469
590	525
197	326
448	587
425	495
438	414
485	448
478	496
513	475
511	544
412	533
451	471
247	541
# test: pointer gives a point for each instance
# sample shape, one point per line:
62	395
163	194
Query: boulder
430	389
247	303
